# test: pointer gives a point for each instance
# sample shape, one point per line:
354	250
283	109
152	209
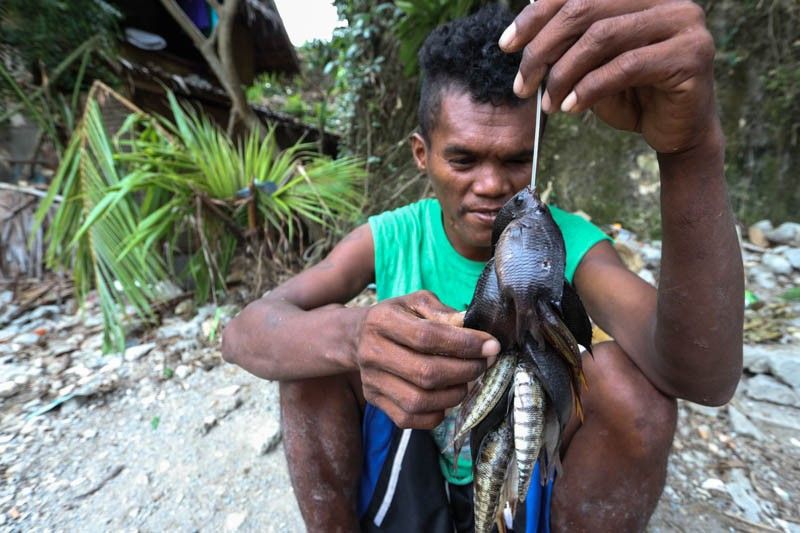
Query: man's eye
462	162
521	161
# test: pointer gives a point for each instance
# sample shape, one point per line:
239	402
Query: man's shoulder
412	210
406	218
572	222
400	237
580	235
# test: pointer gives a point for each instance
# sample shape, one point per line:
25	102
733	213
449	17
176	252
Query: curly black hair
463	55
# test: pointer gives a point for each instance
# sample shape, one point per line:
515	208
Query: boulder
757	233
763	278
793	256
766	388
777	263
786	233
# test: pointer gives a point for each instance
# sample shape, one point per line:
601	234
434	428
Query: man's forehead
463	122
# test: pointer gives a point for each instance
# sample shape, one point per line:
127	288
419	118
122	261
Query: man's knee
300	392
319	410
640	417
320	395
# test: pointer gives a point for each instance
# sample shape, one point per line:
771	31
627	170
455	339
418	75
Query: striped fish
528	423
494	456
484	397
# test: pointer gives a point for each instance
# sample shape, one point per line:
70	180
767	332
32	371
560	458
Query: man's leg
615	463
321	420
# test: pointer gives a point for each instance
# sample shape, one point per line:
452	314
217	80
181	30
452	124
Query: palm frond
91	225
161	188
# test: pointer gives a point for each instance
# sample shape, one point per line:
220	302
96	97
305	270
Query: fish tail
509	493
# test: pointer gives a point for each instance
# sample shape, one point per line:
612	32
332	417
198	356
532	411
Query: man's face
477	157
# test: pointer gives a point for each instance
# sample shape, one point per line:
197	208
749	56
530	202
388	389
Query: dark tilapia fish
518	411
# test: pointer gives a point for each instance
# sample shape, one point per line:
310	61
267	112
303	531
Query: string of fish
517	413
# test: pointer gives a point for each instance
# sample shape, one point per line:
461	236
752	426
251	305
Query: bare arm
413	357
698	331
647	66
301	329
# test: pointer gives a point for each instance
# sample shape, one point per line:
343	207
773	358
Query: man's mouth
484	216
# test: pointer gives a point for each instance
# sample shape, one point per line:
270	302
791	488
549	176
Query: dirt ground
167	437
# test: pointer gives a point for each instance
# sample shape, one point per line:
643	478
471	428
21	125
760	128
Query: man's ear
419	149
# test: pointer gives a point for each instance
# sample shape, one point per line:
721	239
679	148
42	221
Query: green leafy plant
792	294
159	188
52	110
42	32
419	18
90	245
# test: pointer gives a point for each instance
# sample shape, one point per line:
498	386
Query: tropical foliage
29	28
54	111
419	18
159	189
757	69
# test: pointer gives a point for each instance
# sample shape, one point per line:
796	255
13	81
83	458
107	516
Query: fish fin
578	406
524	318
490	421
509	493
549	456
578	381
466	422
575	317
564	343
557	333
467	405
459	443
500	519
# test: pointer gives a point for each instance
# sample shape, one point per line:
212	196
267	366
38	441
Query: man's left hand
640	65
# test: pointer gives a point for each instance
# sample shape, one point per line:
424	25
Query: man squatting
351	378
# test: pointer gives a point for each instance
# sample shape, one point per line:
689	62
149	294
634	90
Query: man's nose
490	181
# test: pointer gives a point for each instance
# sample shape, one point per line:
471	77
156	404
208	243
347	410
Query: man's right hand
416	360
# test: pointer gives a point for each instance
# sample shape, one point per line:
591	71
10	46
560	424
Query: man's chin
480	235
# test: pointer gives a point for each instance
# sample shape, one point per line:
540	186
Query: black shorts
403	490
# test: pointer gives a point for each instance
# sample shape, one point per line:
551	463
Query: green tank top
412	253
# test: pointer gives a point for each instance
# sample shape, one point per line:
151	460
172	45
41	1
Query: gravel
166	437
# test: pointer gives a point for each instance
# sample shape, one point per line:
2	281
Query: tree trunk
218	53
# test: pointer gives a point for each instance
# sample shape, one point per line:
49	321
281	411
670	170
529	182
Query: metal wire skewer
537	134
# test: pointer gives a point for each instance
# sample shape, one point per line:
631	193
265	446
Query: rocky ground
165	436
